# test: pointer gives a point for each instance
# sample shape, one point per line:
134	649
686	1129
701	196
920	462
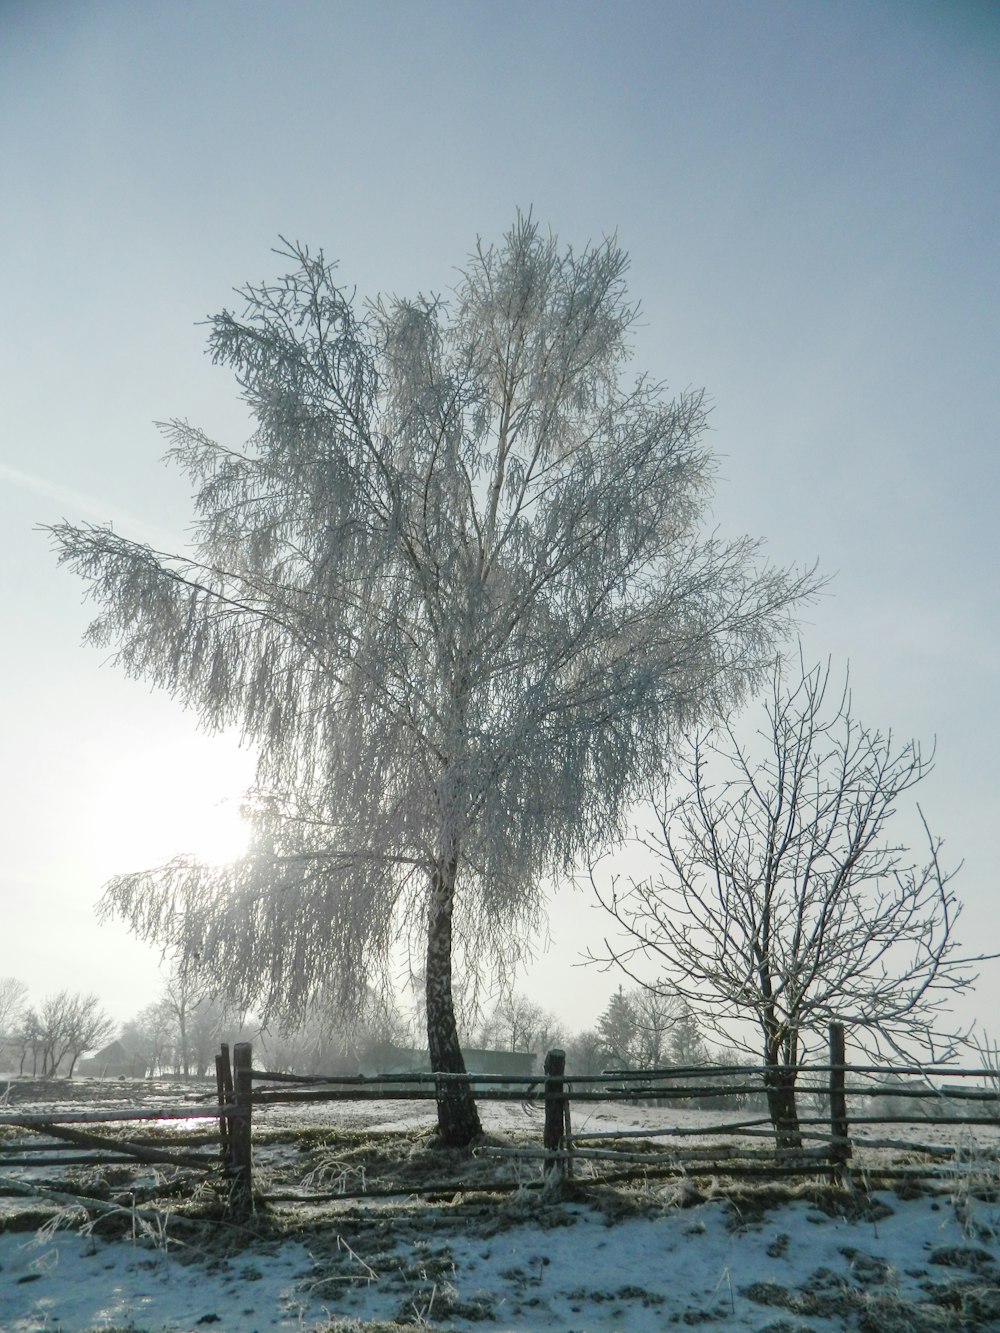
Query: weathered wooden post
840	1143
555	1118
224	1088
568	1139
242	1189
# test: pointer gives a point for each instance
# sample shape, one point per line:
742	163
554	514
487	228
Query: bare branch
783	902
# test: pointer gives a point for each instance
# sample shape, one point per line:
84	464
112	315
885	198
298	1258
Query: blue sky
809	193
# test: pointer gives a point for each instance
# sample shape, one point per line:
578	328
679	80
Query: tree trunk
782	1109
458	1119
779	1084
182	1030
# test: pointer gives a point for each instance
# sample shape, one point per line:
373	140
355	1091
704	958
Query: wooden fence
850	1093
850	1102
76	1143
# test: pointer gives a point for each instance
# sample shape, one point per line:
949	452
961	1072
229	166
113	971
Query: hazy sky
809	193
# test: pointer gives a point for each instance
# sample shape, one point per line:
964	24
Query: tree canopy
454	593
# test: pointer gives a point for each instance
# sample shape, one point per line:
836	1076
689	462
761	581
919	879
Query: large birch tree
453	592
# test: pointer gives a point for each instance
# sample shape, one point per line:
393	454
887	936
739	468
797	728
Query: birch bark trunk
458	1118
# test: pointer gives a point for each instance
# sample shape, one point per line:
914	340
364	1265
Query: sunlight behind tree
456	592
182	799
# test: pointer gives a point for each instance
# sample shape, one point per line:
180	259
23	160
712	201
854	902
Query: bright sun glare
183	798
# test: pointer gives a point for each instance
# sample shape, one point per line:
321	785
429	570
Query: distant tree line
180	1031
46	1040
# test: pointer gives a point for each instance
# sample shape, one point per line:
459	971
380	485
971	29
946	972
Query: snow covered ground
567	1267
638	1260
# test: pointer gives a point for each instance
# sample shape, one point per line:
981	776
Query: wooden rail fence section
93	1148
829	1133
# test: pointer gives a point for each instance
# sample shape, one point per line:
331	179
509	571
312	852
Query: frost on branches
452	591
782	899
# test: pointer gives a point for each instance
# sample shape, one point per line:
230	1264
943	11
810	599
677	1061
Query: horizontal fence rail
201	1112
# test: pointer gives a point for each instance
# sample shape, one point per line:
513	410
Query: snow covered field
908	1265
644	1258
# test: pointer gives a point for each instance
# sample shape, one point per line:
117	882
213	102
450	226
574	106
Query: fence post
242	1194
568	1139
224	1084
840	1143
555	1116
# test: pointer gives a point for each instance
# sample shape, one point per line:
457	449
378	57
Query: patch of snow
71	1282
566	1269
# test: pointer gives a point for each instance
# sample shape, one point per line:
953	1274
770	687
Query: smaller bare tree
154	1028
65	1027
54	1030
183	992
28	1039
88	1026
782	898
661	1021
518	1023
12	996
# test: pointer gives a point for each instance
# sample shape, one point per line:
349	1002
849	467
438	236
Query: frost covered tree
617	1028
453	590
784	901
65	1026
643	1028
13	993
517	1023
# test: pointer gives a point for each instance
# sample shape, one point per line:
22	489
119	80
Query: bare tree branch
784	901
